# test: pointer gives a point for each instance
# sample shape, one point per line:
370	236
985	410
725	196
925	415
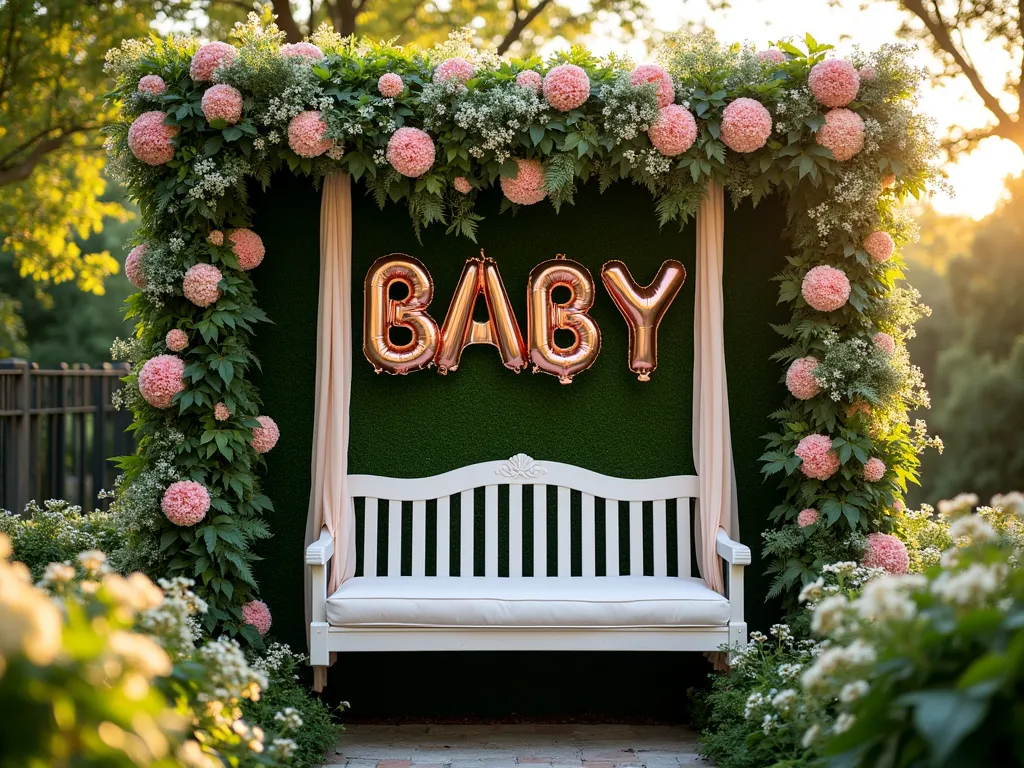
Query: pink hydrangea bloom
652	73
674	131
133	266
248	247
208	58
885	342
216	237
807	517
888	181
898	505
527	187
566	87
176	340
746	125
772	56
825	288
149	138
411	151
818	460
800	379
265	436
256	613
222	102
200	284
843	133
221	412
455	68
530	79
306	134
161	378
390	85
867	73
304	50
874	470
152	84
834	83
886	551
185	502
461	184
879	245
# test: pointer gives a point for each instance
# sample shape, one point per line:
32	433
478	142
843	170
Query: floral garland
432	129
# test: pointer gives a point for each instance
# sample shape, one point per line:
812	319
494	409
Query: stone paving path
506	746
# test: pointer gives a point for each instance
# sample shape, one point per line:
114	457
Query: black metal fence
58	430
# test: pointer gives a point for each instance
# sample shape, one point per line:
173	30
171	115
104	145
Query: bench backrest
523	518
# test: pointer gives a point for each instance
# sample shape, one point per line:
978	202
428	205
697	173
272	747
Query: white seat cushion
604	601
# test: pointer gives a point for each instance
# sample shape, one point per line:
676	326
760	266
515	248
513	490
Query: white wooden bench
524	555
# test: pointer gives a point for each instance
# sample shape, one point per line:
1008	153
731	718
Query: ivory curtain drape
328	495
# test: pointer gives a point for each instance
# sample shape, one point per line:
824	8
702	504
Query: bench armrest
731	551
321	550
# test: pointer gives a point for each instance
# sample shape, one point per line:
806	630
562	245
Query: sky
977	178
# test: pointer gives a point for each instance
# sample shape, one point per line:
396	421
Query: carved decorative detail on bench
520	465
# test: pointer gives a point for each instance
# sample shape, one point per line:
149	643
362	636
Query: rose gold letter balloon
643	307
480	275
546	317
381	313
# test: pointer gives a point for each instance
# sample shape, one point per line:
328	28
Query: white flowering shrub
55	532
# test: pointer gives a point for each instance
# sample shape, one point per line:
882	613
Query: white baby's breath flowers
853	691
784	701
1011	502
829	615
973	528
885	599
289	719
959	505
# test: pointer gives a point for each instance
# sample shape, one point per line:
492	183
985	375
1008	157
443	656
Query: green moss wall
424	423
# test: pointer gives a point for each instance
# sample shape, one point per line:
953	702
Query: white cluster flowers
289	719
628	110
837	659
972	586
887	598
972	529
211	182
495	116
174	620
230	676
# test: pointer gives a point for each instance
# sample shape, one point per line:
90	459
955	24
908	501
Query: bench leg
319	655
737	635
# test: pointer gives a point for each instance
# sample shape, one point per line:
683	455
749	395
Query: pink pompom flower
133	267
161	378
885	342
222	102
176	340
455	68
746	125
800	379
248	247
257	614
302	50
834	83
867	73
653	74
411	151
527	187
874	470
154	85
771	56
898	506
306	134
265	436
200	284
390	85
185	502
807	517
674	131
216	237
208	58
879	246
825	288
843	133
818	460
530	79
149	138
221	412
566	87
462	185
887	552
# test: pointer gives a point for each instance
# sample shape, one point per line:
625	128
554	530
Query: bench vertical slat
466	540
564	532
370	537
491	530
419	538
636	538
611	537
660	539
515	530
683	534
394	538
540	530
589	543
444	549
